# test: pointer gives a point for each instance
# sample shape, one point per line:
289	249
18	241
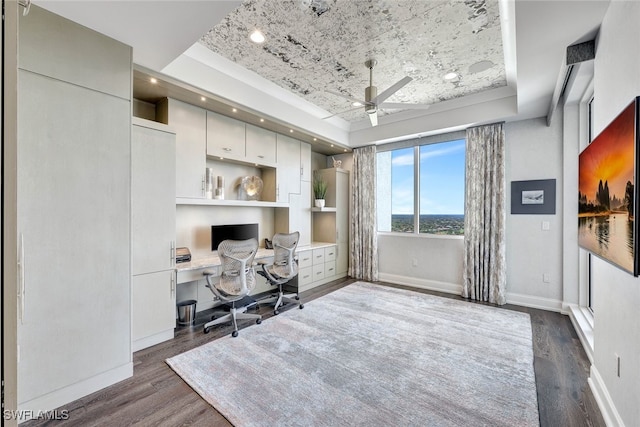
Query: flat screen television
232	232
608	192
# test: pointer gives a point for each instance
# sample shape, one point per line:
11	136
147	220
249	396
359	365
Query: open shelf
238	203
325	209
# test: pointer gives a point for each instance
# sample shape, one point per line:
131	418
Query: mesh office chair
236	281
283	269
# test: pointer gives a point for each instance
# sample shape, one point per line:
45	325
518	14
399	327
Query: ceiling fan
373	100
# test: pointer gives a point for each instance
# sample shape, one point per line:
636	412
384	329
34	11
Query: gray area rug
372	355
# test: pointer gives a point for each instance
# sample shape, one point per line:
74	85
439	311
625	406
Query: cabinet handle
301	170
203	186
172	292
172	253
226	149
260	156
21	283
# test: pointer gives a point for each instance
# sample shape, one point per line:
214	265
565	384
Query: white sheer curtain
484	277
363	260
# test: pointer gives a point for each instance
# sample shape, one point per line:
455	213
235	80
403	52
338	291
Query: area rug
371	355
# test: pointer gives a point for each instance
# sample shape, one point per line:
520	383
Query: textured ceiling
317	45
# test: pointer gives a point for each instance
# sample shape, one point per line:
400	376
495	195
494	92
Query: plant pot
319	203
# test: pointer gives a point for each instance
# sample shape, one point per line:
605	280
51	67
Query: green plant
319	186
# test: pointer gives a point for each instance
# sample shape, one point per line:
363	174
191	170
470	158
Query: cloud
448	149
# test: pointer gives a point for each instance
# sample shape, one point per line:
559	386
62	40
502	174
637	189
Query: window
421	189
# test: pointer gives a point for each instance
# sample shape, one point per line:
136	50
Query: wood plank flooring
156	396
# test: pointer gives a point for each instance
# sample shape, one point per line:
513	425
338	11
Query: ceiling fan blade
390	91
374	118
401	106
345	111
345	97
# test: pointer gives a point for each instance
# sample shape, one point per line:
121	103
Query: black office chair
236	281
282	270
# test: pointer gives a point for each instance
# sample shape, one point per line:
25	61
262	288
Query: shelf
325	209
237	203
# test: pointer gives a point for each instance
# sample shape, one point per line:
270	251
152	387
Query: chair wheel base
301	306
258	321
276	312
206	330
234	334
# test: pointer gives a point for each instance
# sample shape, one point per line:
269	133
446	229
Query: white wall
616	293
534	151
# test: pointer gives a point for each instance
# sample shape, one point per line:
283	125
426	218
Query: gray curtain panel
363	260
484	276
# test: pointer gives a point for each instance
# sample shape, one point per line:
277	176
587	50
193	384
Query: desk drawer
318	256
329	254
318	272
305	259
191	275
329	269
305	276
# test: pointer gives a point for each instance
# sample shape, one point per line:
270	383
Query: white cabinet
73	211
225	137
153	225
154	308
190	125
260	146
288	167
332	225
316	266
305	161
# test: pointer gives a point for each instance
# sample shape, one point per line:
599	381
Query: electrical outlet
414	262
546	278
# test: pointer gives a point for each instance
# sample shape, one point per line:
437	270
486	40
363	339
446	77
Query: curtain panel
484	269
363	230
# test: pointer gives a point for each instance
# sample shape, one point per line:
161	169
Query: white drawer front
329	254
305	259
318	256
318	272
305	276
329	269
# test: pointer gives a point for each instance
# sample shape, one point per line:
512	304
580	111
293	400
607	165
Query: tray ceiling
317	45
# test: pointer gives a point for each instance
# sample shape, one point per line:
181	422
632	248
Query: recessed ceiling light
357	104
257	37
261	120
315	139
332	145
202	98
234	110
290	130
345	150
450	76
153	80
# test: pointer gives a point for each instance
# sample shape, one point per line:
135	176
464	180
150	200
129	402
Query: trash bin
187	312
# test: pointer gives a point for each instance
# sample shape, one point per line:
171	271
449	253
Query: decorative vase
319	203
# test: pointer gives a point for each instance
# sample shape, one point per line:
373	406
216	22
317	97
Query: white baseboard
432	285
582	326
62	396
152	340
601	394
534	302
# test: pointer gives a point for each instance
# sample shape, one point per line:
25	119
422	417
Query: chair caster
297	298
276	312
206	330
258	321
234	334
301	306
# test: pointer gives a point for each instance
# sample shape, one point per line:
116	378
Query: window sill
420	235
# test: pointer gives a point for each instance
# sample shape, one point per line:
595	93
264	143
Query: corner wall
616	293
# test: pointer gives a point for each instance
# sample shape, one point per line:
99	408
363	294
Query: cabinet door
225	137
153	303
304	213
288	167
153	204
190	124
342	206
260	146
305	161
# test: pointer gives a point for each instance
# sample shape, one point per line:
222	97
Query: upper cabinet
190	124
260	145
288	167
225	137
305	162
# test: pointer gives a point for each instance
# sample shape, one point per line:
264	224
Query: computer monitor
232	232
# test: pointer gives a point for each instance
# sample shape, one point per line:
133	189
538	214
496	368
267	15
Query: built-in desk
316	264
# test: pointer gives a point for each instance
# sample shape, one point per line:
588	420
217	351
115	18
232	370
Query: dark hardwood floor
155	395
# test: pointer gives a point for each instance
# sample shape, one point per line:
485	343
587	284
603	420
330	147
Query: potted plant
319	189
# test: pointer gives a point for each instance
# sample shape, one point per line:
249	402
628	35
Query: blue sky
441	179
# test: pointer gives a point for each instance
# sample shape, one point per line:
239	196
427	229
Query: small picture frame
534	197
